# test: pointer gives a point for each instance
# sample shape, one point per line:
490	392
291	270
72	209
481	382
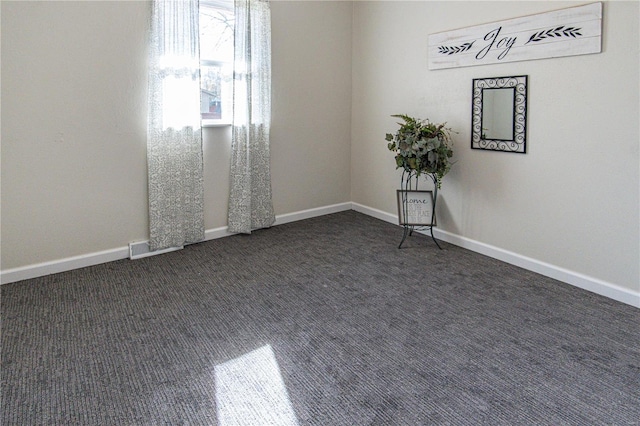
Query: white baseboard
378	214
576	279
308	214
594	285
62	265
281	219
91	259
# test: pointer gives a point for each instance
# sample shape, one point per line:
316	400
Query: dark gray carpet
355	332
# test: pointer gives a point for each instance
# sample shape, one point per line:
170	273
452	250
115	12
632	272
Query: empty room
253	212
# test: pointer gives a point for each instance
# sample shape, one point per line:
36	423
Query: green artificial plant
422	147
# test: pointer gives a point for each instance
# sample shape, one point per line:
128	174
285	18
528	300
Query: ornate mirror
499	114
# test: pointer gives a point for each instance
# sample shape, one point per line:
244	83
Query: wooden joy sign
565	32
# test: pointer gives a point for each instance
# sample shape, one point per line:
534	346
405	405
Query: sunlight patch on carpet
250	390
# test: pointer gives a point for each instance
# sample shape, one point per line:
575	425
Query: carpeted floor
317	322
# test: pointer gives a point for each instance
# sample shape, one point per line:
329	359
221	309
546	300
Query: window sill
215	123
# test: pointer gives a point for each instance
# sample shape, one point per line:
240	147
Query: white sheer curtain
174	137
250	205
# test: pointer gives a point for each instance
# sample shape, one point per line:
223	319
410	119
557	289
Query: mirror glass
499	114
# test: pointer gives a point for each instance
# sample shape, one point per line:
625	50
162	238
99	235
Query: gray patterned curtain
250	205
174	137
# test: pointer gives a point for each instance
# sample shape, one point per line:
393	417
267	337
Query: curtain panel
250	203
174	136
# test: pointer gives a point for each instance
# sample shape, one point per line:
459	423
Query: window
216	61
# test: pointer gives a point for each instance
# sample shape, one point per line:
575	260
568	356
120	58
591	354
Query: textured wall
73	128
311	114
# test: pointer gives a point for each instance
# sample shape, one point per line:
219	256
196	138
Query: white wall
73	128
74	124
572	200
311	114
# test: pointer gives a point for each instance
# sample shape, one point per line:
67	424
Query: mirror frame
518	144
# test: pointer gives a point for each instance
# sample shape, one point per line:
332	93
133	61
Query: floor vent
141	249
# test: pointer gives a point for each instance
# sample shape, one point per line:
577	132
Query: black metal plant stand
409	180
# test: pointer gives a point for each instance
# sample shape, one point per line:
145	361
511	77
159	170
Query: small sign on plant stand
416	208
